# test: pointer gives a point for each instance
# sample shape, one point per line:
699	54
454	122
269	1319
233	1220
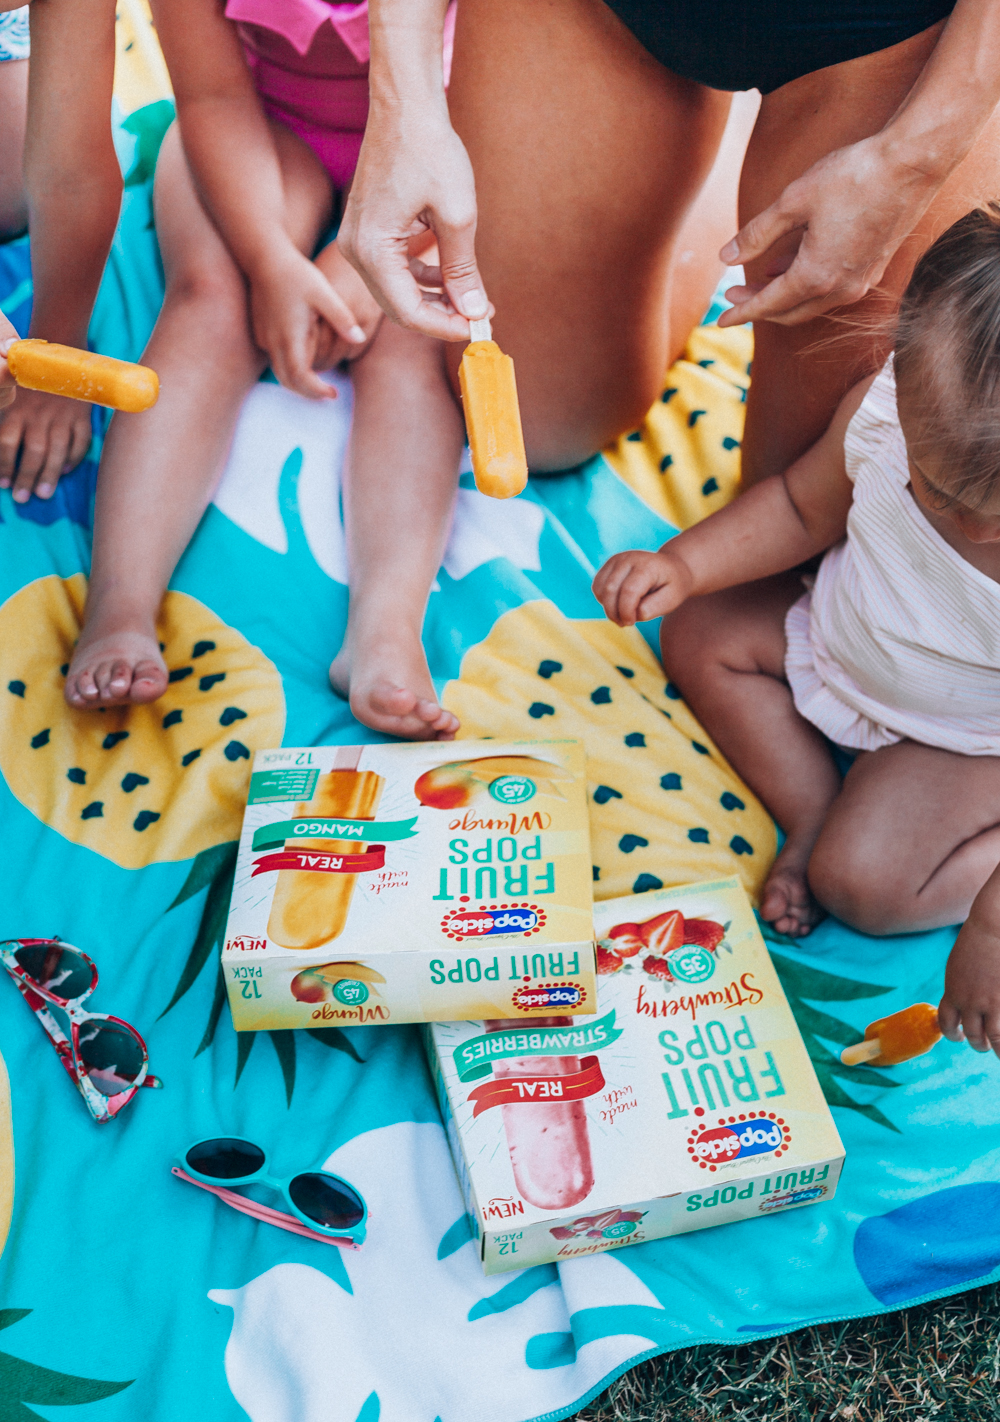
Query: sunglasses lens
227	1158
57	967
111	1056
327	1200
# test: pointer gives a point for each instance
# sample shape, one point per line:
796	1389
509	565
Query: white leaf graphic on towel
303	1349
274	421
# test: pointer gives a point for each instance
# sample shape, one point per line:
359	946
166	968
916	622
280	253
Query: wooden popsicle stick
864	1051
347	757
481	330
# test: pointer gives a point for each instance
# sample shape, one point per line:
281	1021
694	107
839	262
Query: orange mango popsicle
896	1038
309	908
82	375
492	416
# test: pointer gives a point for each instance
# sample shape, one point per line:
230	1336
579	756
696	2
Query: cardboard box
688	1101
412	883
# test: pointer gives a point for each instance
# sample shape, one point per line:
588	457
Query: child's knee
852	884
692	638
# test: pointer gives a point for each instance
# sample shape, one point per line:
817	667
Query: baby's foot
114	670
787	902
389	687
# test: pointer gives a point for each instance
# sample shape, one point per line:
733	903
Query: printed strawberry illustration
664	932
627	939
608	961
705	932
657	968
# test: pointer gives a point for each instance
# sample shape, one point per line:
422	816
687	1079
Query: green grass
938	1362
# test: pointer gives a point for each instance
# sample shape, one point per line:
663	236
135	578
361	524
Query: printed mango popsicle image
310	908
896	1038
492	416
548	1141
83	375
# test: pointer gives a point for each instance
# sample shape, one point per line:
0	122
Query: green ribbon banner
475	1058
324	827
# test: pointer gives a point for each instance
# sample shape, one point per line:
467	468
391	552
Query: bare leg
583	188
798	382
13	114
158	469
402	474
726	652
911	839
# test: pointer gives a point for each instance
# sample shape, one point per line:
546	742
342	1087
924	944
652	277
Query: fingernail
44	490
729	253
21	496
356	335
473	304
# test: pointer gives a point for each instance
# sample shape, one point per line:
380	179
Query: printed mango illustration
455	785
136	784
316	984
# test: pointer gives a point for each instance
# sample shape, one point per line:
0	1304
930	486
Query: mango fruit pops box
688	1100
412	883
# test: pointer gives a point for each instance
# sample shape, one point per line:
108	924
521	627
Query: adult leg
13	114
911	839
726	652
588	156
399	492
158	469
800	375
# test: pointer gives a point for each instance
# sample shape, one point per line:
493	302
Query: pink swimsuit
309	60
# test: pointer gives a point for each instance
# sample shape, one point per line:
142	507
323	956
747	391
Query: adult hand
296	316
42	437
412	178
829	237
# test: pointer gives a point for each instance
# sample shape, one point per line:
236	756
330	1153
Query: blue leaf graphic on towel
937	1242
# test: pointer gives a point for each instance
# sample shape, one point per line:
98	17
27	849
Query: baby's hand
41	438
302	322
971	1003
635	586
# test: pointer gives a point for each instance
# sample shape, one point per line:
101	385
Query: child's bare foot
389	687
787	902
115	669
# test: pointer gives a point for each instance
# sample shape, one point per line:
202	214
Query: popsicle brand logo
544	997
793	1197
513	789
493	919
735	1137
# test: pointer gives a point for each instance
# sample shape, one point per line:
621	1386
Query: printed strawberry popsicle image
309	909
548	1140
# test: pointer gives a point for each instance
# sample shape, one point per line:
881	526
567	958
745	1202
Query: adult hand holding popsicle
82	375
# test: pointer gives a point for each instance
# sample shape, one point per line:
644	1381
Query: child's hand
49	435
635	586
8	387
297	316
971	1003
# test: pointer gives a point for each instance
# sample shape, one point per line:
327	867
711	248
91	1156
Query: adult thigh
588	155
801	373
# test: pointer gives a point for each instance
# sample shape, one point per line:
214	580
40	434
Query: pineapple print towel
117	833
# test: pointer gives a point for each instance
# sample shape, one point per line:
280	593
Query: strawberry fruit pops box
688	1100
412	883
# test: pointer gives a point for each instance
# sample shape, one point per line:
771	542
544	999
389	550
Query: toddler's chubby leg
399	492
158	469
726	652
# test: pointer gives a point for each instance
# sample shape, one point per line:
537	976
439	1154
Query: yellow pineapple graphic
136	784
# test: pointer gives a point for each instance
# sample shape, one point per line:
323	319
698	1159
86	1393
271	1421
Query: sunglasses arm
264	1213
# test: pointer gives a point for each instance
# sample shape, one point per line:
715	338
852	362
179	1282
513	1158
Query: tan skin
911	840
71	190
580	207
238	209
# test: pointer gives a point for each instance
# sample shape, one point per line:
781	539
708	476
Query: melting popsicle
310	908
492	415
82	375
896	1038
548	1141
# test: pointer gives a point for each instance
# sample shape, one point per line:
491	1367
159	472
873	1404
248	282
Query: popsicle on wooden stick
896	1038
309	909
492	415
82	375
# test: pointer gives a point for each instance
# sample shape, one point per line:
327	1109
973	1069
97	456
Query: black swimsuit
732	44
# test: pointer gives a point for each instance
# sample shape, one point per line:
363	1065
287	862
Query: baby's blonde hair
947	355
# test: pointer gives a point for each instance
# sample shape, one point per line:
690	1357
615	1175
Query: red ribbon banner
314	862
543	1090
